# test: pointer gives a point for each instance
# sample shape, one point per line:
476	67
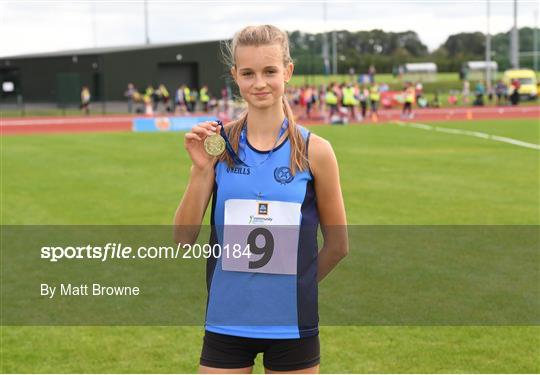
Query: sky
54	25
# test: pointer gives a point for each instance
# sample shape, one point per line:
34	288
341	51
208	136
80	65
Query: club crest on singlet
283	175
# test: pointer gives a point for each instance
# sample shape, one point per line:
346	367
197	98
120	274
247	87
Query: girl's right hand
194	144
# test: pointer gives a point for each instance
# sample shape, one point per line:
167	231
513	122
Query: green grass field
316	79
389	174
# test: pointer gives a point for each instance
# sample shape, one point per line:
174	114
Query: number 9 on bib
261	236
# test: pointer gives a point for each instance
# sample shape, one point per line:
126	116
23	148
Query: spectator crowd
355	100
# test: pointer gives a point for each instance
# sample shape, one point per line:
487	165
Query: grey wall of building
142	67
108	73
37	77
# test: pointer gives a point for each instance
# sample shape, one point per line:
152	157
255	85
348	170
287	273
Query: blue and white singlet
271	293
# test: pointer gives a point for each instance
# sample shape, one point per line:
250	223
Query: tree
465	44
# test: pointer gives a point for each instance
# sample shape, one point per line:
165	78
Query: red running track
123	123
449	114
65	124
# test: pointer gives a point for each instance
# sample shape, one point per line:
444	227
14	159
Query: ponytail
299	161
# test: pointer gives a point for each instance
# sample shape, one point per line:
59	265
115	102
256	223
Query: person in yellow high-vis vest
409	94
164	97
374	98
150	93
85	100
349	101
331	101
148	107
188	99
204	97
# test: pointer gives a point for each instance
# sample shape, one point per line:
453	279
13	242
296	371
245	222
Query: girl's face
260	74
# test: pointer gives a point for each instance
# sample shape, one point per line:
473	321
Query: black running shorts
225	351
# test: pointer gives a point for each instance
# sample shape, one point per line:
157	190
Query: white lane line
421	126
470	133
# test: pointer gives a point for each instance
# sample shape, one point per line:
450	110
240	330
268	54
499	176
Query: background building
59	76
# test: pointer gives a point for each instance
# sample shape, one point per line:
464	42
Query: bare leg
214	370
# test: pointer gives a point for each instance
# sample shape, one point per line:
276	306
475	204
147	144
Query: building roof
102	50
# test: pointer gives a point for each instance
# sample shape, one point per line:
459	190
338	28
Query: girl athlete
270	189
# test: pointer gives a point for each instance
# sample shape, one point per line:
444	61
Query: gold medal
214	145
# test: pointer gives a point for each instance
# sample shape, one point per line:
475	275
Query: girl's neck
263	124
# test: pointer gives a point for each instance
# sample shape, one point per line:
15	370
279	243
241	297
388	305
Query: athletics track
123	123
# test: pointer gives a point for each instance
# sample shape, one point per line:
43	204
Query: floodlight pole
514	41
146	38
535	40
94	26
325	44
488	52
334	53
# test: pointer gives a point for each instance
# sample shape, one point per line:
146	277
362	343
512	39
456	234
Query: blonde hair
264	35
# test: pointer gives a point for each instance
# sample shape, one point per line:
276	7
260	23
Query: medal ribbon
243	141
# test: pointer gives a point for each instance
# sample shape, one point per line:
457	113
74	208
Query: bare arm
330	205
190	211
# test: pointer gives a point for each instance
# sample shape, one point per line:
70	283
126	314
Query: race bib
261	236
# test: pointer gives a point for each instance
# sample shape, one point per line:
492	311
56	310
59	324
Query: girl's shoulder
319	151
318	146
315	143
